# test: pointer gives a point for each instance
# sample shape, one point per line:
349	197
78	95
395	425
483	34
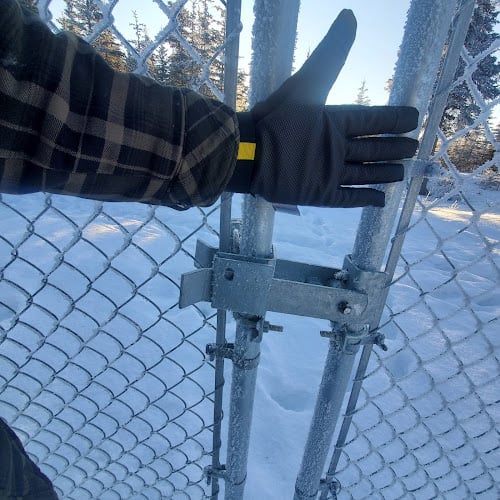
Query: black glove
307	152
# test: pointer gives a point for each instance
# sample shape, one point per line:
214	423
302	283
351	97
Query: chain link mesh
106	381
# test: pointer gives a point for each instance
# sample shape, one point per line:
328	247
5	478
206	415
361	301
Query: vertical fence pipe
436	109
421	51
338	367
272	56
231	52
413	84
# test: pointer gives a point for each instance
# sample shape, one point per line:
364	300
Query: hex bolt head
344	307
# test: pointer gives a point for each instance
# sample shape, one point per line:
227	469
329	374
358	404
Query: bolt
229	274
266	327
344	307
380	341
210	350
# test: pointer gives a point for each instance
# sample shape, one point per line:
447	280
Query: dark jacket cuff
242	177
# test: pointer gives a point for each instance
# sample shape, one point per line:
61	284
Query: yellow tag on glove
246	151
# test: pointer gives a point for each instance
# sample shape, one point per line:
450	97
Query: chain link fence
106	381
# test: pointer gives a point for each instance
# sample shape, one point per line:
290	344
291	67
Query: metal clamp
346	338
253	286
211	472
227	351
241	284
329	486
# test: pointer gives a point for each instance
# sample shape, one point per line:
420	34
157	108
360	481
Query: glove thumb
312	83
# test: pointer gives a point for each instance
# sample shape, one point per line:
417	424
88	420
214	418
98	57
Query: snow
107	378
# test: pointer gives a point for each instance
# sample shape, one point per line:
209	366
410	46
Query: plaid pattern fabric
70	124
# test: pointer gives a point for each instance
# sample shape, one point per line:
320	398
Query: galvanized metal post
425	35
231	53
435	112
272	55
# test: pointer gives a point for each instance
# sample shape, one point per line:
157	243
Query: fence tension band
227	351
329	486
211	472
364	337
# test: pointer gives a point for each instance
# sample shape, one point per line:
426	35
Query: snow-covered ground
105	377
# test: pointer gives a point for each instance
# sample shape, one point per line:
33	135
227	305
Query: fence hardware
249	285
227	351
345	338
212	472
380	341
422	168
268	327
224	351
329	486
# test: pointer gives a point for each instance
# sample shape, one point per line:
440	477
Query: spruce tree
461	109
362	97
202	27
471	151
80	17
178	67
242	92
139	42
161	59
210	28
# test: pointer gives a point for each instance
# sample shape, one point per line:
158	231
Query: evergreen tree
191	55
210	37
496	132
461	109
202	27
362	97
242	92
139	42
471	151
388	85
180	69
160	71
80	17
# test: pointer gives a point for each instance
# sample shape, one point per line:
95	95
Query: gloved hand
306	152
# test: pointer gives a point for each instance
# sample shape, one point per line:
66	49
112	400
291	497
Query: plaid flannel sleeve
70	124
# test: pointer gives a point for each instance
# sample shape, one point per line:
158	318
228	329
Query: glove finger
372	120
379	173
380	149
312	83
358	197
